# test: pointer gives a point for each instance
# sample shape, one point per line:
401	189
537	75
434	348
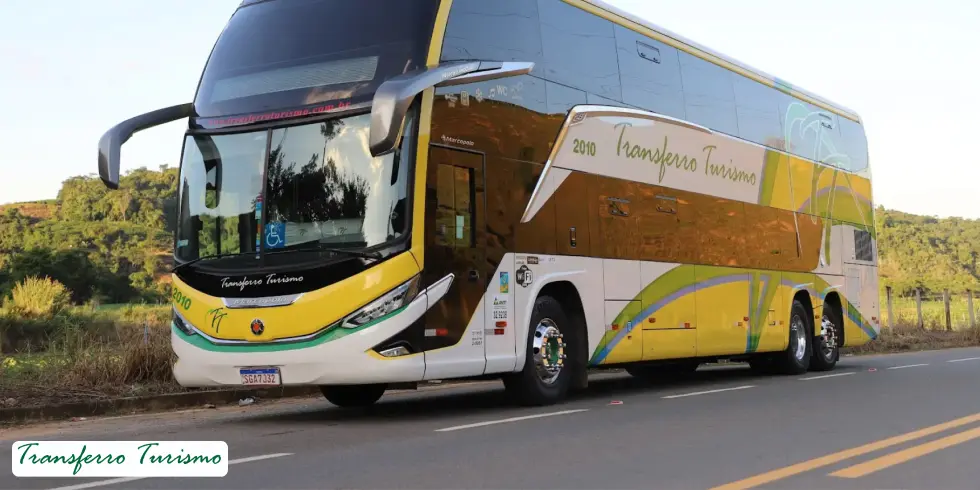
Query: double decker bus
377	193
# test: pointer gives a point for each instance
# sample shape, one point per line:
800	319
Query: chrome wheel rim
798	333
828	331
549	350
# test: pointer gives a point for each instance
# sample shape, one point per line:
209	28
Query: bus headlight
385	305
180	323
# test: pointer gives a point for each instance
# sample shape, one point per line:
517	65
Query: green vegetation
927	252
103	246
75	270
84	353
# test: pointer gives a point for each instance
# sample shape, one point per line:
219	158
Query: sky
72	70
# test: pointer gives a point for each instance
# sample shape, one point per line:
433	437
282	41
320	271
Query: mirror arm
112	141
394	96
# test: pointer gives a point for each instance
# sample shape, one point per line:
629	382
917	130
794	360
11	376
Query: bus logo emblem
257	327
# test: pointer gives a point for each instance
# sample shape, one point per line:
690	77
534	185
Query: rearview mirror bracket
112	141
394	96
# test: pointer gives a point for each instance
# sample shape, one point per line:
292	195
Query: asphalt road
908	421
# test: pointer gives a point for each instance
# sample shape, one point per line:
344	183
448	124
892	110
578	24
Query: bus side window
709	94
579	49
854	144
757	109
654	85
445	232
454	206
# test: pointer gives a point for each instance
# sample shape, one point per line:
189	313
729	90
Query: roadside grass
933	311
906	337
88	354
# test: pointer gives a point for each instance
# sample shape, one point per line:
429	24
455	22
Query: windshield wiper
208	257
356	253
340	251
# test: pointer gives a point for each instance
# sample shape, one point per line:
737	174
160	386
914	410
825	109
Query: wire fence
944	310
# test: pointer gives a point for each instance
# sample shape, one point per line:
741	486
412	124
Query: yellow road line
830	459
904	455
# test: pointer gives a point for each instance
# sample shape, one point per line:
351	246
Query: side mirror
112	140
394	96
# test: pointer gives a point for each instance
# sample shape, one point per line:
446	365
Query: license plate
261	377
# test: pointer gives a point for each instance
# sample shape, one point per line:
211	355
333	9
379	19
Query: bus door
455	239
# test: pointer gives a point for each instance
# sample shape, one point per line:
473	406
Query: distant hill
36	210
106	246
928	252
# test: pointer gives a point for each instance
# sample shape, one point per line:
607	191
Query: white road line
512	419
964	360
129	479
908	366
826	376
709	392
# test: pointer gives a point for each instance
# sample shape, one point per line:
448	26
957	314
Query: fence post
969	304
949	320
891	311
918	307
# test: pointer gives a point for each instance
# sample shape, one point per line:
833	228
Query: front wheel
547	372
352	396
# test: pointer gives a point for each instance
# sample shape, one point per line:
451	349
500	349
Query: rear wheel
547	372
796	358
352	396
827	351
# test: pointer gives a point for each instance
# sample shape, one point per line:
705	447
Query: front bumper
347	360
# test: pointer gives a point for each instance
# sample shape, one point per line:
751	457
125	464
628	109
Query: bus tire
546	376
796	358
827	347
353	396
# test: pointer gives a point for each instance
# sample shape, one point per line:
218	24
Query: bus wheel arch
556	342
568	295
829	334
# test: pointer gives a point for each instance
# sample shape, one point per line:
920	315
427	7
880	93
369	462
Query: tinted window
709	95
501	117
220	184
811	132
597	100
757	109
650	74
854	143
579	49
498	30
294	53
562	98
324	187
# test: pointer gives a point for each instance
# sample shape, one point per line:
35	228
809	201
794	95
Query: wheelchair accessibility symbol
275	235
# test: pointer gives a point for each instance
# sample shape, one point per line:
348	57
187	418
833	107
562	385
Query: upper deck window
290	53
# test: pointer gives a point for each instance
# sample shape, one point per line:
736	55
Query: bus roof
679	42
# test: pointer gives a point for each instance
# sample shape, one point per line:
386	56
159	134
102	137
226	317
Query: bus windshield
299	188
278	54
